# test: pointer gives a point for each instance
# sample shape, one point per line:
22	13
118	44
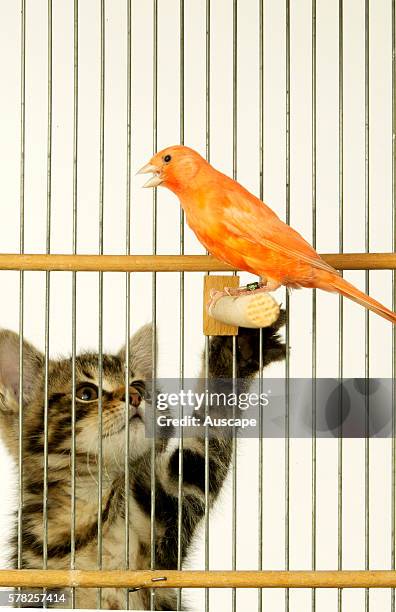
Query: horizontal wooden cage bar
198	579
172	263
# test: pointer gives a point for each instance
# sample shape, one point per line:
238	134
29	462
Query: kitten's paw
248	350
273	349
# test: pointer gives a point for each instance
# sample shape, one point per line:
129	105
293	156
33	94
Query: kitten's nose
134	397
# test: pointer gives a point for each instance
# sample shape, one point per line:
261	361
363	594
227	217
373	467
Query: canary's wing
253	220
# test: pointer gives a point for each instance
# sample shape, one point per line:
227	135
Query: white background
380	194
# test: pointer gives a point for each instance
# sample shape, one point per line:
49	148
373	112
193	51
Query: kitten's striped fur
113	504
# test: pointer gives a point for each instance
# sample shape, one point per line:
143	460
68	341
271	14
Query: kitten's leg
220	444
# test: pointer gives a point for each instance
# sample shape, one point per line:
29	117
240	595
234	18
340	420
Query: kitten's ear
141	352
9	367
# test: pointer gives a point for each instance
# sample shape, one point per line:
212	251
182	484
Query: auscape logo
208	421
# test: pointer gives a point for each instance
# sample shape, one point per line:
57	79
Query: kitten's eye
87	393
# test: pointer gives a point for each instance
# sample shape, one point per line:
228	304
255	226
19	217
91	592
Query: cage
296	100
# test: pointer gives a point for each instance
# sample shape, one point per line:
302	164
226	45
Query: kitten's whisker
89	469
113	450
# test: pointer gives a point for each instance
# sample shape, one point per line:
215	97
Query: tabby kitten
113	444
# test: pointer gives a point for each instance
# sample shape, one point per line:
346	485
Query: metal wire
47	290
181	321
100	330
128	286
367	289
74	308
154	288
314	339
207	498
340	299
234	476
393	467
206	354
287	335
21	280
234	339
261	194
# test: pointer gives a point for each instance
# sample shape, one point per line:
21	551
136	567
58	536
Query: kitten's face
112	403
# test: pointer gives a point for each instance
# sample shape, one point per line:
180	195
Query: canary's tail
348	290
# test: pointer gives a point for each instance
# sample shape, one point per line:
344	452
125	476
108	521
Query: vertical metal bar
367	289
234	344
128	286
340	299
314	373
74	307
47	289
100	330
287	335
207	80
234	88
154	289
261	194
207	483
393	468
181	324
206	357
234	476
47	286
21	280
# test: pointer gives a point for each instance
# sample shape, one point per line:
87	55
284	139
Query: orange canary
238	228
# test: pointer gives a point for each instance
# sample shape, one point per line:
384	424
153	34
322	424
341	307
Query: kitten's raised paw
248	349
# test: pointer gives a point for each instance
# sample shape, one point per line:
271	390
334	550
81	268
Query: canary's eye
167	158
87	393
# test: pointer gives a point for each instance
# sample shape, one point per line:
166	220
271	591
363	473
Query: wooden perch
172	263
198	579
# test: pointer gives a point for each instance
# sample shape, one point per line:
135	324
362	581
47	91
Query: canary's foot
256	287
215	295
250	288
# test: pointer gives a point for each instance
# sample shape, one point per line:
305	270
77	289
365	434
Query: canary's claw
255	287
236	292
214	296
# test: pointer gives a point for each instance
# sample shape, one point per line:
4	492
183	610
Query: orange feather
238	228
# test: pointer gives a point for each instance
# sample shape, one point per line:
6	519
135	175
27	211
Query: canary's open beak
155	180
